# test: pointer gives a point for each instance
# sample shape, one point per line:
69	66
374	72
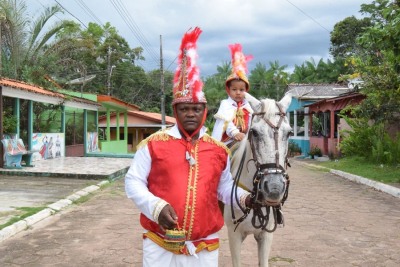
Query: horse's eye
254	133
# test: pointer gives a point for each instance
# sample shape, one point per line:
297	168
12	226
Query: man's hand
248	202
167	218
239	136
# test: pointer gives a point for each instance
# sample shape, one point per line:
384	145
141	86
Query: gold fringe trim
193	183
160	241
161	135
212	140
240	119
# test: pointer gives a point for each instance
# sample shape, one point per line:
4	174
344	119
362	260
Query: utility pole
109	70
162	87
1	97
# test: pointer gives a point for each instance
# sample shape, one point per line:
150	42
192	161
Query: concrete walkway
330	221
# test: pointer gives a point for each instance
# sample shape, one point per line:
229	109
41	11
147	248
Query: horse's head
269	141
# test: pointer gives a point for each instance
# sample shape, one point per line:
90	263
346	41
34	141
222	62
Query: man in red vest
179	174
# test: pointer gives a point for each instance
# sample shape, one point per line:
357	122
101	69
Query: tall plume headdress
239	65
188	88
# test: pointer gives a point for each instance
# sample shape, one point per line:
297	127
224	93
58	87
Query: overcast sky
287	31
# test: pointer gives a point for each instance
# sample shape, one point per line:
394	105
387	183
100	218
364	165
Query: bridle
260	218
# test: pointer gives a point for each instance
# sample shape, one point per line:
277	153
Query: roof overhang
109	102
28	95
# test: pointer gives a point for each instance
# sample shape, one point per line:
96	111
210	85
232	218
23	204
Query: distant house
303	95
140	125
324	113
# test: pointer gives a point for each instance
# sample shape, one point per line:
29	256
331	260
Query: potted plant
315	151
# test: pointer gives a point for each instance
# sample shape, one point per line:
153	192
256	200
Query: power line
125	15
308	15
71	14
88	11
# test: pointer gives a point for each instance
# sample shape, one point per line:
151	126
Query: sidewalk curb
394	191
51	209
391	190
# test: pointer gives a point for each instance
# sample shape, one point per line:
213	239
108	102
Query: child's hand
239	136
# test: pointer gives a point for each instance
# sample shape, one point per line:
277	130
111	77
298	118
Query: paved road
22	191
330	221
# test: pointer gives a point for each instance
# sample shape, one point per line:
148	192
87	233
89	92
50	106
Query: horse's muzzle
271	189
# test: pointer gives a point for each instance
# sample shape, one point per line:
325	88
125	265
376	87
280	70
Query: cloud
287	31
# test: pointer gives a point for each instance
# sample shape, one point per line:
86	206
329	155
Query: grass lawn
356	165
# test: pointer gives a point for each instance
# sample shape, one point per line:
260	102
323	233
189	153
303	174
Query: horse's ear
285	101
254	102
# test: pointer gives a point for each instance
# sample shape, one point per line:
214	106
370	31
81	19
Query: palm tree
24	40
299	74
279	78
259	80
214	88
13	35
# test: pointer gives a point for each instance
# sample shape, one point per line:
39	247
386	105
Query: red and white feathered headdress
239	65
188	88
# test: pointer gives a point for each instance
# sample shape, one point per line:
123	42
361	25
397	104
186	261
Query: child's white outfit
231	119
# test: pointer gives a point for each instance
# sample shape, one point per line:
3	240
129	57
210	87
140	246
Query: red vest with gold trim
191	190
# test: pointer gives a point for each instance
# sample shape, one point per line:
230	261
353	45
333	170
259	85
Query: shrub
315	151
371	142
9	122
294	148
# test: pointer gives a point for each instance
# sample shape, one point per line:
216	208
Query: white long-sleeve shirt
224	119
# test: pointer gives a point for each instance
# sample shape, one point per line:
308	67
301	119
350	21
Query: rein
260	219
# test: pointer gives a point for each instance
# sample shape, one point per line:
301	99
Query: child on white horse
234	114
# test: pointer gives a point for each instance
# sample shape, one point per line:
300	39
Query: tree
259	81
24	47
321	72
214	88
379	66
380	70
279	80
344	35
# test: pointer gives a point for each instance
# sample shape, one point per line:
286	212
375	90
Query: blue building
304	95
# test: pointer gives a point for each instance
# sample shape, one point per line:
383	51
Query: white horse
259	166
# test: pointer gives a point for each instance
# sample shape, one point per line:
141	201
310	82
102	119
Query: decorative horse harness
260	219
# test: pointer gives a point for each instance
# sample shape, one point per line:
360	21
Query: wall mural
48	145
92	142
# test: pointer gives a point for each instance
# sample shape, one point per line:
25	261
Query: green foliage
293	148
214	90
26	212
377	59
47	118
344	35
370	142
321	72
315	151
359	166
9	121
269	83
380	69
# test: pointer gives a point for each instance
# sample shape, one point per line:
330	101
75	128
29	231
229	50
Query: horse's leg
264	243
235	244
